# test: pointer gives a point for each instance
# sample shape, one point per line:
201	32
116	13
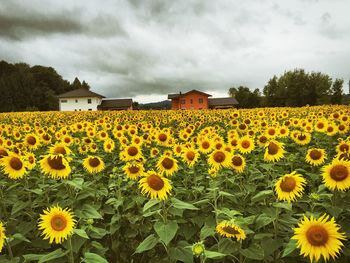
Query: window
183	101
200	100
191	101
76	101
90	109
89	101
75	109
63	101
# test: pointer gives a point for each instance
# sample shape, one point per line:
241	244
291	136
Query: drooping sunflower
245	145
93	164
133	169
315	156
57	224
318	237
219	159
238	163
154	185
230	229
289	187
274	151
56	166
2	236
167	165
14	166
336	175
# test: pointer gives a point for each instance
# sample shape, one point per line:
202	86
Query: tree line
26	88
293	89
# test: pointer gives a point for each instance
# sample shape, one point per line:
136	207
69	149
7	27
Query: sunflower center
339	173
60	150
155	182
162	137
272	148
317	236
288	184
31	140
230	230
3	153
132	151
344	156
245	144
263	139
56	163
205	145
167	163
271	132
315	155
301	137
16	163
58	223
344	148
94	162
237	161
134	169
67	140
190	156
330	129
219	157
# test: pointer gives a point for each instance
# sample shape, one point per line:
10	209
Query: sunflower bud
198	249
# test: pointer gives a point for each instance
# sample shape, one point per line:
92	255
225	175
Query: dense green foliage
26	88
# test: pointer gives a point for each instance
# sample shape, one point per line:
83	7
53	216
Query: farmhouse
198	100
86	100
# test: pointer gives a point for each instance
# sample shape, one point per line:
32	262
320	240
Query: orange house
192	100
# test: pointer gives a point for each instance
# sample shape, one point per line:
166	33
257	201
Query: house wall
195	105
79	104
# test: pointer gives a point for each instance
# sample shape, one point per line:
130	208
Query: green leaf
76	183
287	206
19	206
88	211
261	195
182	205
227	246
166	231
181	254
214	254
58	253
206	231
93	258
291	246
270	245
253	252
147	244
81	232
150	204
262	221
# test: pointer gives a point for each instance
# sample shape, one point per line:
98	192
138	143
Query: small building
79	100
115	104
198	100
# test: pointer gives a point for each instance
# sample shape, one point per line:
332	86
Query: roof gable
79	93
115	103
222	101
174	96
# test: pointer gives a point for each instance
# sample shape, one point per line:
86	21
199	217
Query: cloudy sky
146	49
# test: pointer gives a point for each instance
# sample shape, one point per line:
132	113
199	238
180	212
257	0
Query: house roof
174	96
115	103
222	101
78	93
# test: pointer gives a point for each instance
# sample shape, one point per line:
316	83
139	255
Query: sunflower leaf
291	246
182	205
166	231
93	258
147	244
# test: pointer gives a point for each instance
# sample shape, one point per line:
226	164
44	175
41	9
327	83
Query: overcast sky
147	49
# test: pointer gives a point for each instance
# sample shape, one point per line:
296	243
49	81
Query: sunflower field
257	185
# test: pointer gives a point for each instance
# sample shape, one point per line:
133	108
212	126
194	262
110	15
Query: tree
337	91
245	98
76	84
84	85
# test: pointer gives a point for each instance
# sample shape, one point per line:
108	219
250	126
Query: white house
79	100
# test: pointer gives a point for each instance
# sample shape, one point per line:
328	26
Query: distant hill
161	105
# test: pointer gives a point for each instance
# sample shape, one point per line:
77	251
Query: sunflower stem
9	249
71	255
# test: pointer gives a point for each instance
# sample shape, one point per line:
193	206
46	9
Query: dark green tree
337	91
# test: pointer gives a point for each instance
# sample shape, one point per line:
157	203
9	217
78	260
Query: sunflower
315	156
14	166
230	229
190	156
32	141
318	237
336	175
56	166
133	170
246	145
57	224
154	185
168	165
301	138
93	164
198	249
108	145
31	160
2	236
59	148
205	146
154	152
343	146
274	151
238	163
289	187
219	158
131	152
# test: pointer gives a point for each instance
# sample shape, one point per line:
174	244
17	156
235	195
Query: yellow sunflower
289	187
190	156
108	145
133	170
245	145
230	229
2	236
219	158
168	165
301	138
238	163
336	175
318	237
56	166
315	156
93	164
274	151
154	185
131	152
32	141
57	224
14	166
59	148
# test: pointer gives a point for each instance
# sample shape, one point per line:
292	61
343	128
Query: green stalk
9	249
71	255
